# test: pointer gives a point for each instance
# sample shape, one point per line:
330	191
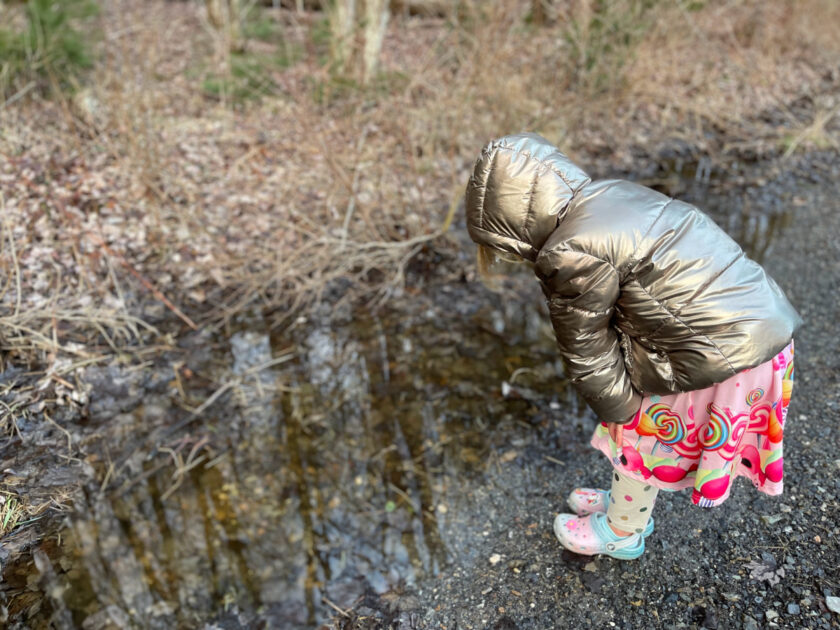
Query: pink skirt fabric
704	439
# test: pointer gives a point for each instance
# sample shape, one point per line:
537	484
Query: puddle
319	480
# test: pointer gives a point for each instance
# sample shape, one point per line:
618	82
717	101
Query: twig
14	257
335	607
146	283
354	186
198	411
216	460
10	413
405	496
18	95
63	430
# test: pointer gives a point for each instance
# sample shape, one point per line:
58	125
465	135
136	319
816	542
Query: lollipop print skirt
704	439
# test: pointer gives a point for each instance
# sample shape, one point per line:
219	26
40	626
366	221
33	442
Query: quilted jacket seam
711	280
484	190
686	325
633	259
548	166
529	214
582	309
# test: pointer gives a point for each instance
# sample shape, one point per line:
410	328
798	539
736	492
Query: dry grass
142	188
737	67
17	511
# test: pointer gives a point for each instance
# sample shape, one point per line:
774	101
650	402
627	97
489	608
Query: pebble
750	623
793	609
771	615
495	558
833	603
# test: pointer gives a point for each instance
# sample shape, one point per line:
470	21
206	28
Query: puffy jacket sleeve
582	291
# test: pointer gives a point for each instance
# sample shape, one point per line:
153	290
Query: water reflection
314	483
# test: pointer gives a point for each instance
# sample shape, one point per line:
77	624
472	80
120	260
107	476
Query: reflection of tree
331	478
408	478
397	426
306	483
220	514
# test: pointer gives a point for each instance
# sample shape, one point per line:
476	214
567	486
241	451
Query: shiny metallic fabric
647	295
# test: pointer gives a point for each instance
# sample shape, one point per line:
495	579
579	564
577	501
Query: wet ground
402	468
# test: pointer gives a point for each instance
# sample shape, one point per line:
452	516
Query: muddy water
311	483
341	473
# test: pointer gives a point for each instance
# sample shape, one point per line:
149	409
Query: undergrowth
47	46
209	182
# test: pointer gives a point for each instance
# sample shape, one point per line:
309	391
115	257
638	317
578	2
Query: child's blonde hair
491	262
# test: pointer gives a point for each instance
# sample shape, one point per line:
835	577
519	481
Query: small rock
833	603
673	598
750	623
593	583
793	609
495	559
771	615
591	566
505	623
771	519
710	620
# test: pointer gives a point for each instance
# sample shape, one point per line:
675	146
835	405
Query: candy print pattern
660	421
670	430
754	396
705	439
787	384
723	432
764	420
716	433
710	486
767	464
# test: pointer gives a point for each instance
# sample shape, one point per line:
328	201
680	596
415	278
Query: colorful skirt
704	439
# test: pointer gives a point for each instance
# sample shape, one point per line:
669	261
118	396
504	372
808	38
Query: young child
680	344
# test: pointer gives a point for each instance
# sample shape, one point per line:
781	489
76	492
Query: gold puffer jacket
647	295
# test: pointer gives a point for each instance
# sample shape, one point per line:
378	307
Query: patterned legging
631	503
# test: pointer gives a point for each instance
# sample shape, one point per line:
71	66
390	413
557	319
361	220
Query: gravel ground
755	562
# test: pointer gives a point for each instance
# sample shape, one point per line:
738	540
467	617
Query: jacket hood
518	192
